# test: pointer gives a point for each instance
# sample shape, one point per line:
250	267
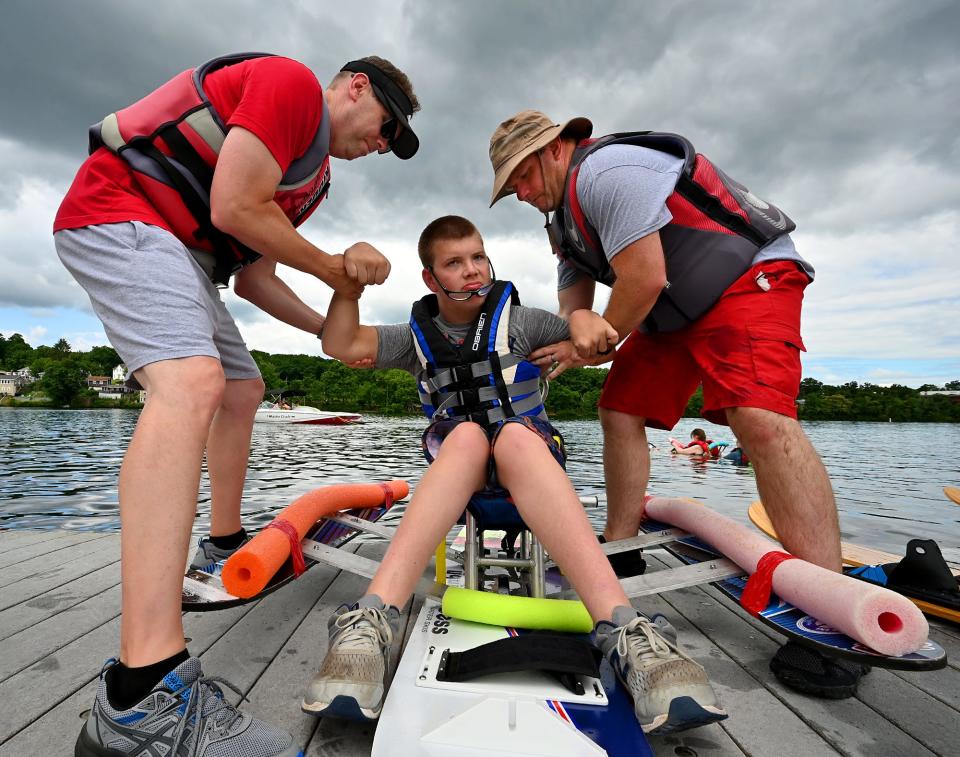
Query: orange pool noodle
251	567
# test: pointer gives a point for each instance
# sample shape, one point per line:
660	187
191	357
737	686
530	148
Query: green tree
64	381
17	353
100	361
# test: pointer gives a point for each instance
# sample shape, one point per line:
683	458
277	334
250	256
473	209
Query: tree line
329	385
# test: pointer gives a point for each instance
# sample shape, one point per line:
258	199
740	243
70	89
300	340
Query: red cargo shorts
745	351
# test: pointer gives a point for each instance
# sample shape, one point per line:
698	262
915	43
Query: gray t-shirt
623	191
530	328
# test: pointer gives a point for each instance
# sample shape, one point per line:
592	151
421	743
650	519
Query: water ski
204	591
526	712
922	575
782	616
953	493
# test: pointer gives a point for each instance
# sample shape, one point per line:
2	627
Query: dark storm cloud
791	98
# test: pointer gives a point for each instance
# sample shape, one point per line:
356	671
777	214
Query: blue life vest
480	380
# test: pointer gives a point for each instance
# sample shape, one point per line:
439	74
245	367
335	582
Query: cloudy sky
844	113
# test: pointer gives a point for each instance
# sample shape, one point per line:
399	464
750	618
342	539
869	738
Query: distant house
98	382
26	376
114	391
120	374
9	384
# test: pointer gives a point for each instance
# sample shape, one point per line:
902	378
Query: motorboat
279	410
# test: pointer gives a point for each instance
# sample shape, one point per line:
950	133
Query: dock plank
50	548
45	638
51	725
55	601
56	577
54	648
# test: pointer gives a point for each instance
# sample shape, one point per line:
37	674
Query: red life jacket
171	139
718	225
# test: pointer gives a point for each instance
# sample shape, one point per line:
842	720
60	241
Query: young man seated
466	344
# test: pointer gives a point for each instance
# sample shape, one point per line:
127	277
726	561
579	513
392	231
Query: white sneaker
670	691
351	682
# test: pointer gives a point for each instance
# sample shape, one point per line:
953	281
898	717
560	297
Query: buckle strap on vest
555	653
487	393
448	376
497	414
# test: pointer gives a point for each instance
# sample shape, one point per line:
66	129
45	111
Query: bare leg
159	480
792	482
459	471
550	507
228	450
626	465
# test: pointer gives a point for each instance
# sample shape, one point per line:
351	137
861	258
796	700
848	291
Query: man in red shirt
206	177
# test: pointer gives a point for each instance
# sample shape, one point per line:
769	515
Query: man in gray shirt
706	288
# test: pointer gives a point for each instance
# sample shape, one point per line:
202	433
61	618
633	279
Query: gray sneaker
670	691
351	681
186	715
208	555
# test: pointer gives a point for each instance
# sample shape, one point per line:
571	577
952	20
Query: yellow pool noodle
517	612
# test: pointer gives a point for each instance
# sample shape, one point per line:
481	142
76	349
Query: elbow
228	213
243	288
224	219
333	349
657	284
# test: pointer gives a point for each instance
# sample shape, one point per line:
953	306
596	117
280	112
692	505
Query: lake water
58	469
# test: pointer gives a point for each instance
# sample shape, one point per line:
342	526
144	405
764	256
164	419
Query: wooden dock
59	621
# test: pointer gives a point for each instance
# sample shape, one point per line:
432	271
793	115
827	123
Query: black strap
502	392
187	154
224	248
561	654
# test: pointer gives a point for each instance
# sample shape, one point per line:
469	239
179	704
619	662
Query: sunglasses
388	129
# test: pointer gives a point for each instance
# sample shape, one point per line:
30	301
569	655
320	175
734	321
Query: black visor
395	100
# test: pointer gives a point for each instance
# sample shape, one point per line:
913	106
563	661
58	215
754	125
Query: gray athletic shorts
153	298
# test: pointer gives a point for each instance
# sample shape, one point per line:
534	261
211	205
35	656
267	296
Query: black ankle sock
127	686
230	541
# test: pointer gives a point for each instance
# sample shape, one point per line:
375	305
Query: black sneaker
185	715
626	564
805	670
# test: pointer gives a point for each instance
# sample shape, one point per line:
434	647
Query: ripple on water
59	470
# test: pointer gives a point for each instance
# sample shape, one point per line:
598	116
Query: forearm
271	294
262	226
577	296
628	306
640	268
344	338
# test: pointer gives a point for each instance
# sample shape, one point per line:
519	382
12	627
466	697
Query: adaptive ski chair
494	511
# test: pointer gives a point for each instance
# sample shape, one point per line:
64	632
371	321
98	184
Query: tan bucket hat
520	136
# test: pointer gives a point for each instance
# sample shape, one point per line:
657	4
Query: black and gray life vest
717	228
481	380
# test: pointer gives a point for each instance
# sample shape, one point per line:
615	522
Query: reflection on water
58	469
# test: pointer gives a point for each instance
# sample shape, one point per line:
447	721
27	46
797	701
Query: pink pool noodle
882	620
